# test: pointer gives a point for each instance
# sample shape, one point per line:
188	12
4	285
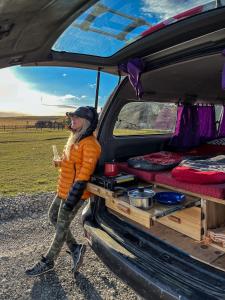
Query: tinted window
140	118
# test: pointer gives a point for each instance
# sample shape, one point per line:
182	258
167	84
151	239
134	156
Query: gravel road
25	234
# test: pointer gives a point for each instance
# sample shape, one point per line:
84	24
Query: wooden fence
27	127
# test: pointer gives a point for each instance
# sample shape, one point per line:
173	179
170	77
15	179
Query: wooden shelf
205	197
184	220
193	222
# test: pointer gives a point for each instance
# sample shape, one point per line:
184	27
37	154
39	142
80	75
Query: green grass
121	132
26	160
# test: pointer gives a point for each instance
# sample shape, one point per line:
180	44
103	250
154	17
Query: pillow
158	161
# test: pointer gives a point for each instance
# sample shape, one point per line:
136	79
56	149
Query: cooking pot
141	197
111	169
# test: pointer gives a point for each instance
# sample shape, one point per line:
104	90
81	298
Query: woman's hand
57	163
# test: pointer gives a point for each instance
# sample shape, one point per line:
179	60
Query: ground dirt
25	234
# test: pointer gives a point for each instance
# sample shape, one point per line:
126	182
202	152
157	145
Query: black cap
84	112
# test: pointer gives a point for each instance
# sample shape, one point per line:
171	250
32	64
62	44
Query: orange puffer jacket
80	166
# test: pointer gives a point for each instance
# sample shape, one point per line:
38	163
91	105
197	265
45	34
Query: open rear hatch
60	33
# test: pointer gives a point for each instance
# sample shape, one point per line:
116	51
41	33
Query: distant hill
27	117
147	115
25	120
10	114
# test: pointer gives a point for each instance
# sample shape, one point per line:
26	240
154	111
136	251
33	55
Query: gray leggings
61	219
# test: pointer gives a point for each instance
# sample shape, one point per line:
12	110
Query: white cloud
67	97
169	8
49	99
92	85
17	95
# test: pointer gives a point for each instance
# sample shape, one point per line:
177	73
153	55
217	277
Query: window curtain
207	123
221	129
223	78
185	135
223	73
195	125
134	67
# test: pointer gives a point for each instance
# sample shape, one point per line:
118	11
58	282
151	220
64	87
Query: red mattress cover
141	174
183	173
216	190
212	190
207	149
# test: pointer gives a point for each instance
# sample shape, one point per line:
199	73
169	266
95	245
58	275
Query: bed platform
211	192
195	222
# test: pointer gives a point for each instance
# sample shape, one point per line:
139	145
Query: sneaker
77	257
41	267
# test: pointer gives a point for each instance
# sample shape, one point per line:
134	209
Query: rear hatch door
103	34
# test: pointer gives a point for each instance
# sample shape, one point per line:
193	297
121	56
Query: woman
78	163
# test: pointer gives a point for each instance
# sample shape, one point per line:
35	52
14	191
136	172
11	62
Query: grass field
120	132
26	160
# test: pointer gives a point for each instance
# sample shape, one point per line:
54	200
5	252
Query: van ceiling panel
198	79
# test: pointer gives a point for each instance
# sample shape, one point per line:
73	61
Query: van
169	257
169	57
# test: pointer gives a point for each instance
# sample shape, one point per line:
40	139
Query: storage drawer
186	221
99	190
135	214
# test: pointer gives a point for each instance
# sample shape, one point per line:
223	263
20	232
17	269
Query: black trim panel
154	269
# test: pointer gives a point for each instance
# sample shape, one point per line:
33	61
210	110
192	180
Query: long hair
75	136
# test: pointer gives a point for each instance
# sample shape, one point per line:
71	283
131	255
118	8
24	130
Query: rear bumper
124	264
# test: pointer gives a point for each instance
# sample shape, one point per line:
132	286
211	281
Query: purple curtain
221	129
180	113
207	123
223	78
134	67
223	74
186	132
195	125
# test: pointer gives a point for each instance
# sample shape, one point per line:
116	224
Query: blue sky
38	90
44	90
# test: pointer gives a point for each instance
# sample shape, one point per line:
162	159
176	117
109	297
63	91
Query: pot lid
141	192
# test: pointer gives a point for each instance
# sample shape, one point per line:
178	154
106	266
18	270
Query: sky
45	91
48	90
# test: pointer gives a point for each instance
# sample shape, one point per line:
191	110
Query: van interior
197	227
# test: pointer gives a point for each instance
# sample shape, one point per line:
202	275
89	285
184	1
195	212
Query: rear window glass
141	118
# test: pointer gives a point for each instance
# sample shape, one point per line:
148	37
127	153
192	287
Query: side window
142	118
